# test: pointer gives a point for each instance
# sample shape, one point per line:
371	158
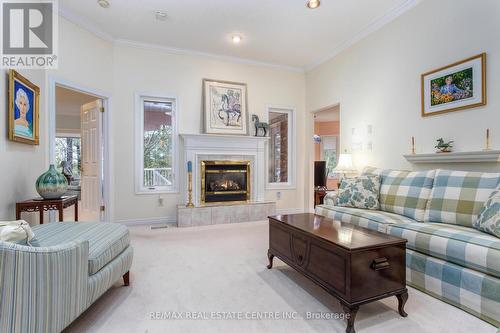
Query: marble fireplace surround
210	147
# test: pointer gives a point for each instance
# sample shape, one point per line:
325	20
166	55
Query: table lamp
344	166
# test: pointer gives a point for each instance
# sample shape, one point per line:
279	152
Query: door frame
309	200
106	180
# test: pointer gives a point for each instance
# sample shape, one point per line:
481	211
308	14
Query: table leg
76	210
270	256
402	298
40	210
351	313
61	213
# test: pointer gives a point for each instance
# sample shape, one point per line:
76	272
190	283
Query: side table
41	205
319	195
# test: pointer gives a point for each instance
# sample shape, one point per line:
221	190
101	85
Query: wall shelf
488	156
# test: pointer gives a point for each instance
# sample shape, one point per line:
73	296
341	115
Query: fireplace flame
224	184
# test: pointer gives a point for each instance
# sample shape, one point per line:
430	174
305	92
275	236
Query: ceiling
280	32
68	102
330	114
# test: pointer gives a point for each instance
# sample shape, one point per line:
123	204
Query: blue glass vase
51	184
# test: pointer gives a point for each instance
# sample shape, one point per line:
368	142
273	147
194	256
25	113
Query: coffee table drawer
377	271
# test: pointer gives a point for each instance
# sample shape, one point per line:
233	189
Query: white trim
138	151
292	148
484	156
375	25
53	81
169	220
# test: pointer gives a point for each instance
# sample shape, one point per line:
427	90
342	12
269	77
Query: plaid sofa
45	287
434	210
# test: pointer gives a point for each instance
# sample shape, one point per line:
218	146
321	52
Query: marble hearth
224	213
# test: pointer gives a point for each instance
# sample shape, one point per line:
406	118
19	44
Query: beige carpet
222	269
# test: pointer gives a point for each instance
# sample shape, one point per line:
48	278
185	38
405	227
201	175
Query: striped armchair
45	287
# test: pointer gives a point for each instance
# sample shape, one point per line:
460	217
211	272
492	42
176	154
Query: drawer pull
379	264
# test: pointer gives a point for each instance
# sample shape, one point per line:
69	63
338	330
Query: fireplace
225	181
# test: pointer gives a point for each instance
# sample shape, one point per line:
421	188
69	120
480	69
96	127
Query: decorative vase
51	184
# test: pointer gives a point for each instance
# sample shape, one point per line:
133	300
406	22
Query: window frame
139	144
292	163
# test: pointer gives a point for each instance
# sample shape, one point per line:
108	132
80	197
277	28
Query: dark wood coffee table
354	264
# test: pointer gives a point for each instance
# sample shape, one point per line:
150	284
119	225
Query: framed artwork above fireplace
225	107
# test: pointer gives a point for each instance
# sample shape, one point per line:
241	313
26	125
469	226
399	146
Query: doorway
327	142
77	148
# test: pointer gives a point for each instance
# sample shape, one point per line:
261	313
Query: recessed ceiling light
160	15
313	4
236	39
103	3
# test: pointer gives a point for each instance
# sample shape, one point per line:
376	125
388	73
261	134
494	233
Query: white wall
85	60
154	71
20	164
377	81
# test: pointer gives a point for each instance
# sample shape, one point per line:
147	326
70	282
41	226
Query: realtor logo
29	34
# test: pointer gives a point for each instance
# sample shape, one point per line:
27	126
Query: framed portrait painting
23	109
225	107
458	86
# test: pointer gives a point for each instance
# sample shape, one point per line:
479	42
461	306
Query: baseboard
282	211
148	221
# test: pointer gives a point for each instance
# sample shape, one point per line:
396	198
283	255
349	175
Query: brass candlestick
190	190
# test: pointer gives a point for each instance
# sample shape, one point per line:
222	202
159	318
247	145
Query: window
329	153
156	140
68	156
280	149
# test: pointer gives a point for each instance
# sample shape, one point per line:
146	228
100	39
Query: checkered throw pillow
459	196
404	192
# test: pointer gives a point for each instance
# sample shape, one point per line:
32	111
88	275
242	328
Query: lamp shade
345	164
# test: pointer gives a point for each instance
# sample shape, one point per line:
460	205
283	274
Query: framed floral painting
23	109
225	107
458	86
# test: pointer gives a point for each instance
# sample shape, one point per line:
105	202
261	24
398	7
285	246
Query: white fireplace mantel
199	147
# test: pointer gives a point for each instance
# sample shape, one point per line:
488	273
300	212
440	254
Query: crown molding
368	30
84	24
371	28
179	51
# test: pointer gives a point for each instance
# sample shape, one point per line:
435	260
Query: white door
91	193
